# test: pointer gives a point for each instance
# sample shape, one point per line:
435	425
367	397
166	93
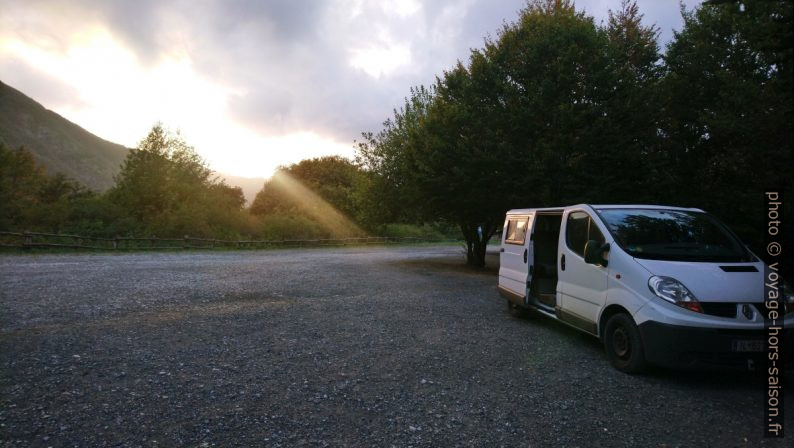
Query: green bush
289	227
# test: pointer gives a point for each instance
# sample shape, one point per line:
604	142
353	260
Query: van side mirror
594	252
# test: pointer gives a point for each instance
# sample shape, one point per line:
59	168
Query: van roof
518	211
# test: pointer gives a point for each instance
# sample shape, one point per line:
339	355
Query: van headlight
673	291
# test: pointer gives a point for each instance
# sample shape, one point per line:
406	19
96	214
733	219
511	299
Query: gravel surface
325	347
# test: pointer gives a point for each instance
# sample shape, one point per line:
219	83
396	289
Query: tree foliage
166	187
30	198
333	178
317	197
545	114
727	109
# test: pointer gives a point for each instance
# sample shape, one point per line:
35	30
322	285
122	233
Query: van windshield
673	235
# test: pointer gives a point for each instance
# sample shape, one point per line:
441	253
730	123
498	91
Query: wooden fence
30	240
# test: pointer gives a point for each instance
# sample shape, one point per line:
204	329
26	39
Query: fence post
115	242
185	242
28	239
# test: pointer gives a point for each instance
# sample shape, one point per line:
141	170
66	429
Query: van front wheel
623	344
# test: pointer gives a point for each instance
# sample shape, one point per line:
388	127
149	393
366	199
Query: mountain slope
62	146
56	142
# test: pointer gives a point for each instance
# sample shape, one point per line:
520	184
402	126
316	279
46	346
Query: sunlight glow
378	61
335	222
245	153
120	99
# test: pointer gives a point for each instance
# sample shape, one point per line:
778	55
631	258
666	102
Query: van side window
516	230
579	229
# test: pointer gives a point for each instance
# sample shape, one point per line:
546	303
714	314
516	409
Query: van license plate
749	346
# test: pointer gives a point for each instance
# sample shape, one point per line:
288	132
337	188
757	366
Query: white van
662	285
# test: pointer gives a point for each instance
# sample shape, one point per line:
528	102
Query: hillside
56	142
65	147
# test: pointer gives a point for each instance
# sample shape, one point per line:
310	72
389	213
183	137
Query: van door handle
525	256
562	262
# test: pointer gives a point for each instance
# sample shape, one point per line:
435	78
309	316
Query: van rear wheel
623	344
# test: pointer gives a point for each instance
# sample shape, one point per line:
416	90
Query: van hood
713	282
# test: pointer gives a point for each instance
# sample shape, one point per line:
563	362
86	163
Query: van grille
721	309
761	307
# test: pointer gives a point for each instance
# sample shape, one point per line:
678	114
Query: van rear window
516	231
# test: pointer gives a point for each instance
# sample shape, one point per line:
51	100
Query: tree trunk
477	242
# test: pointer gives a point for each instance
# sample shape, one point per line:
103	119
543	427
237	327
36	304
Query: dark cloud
289	62
291	21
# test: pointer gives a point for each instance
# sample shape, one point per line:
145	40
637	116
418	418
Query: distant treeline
165	189
555	110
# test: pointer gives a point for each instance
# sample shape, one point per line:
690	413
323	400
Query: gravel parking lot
374	346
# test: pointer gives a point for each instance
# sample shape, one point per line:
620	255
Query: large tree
167	187
548	113
334	178
728	111
321	194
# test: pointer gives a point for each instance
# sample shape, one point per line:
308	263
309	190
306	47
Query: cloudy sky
251	84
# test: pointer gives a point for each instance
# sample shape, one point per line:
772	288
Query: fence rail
30	240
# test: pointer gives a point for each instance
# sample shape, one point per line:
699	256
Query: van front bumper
687	347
